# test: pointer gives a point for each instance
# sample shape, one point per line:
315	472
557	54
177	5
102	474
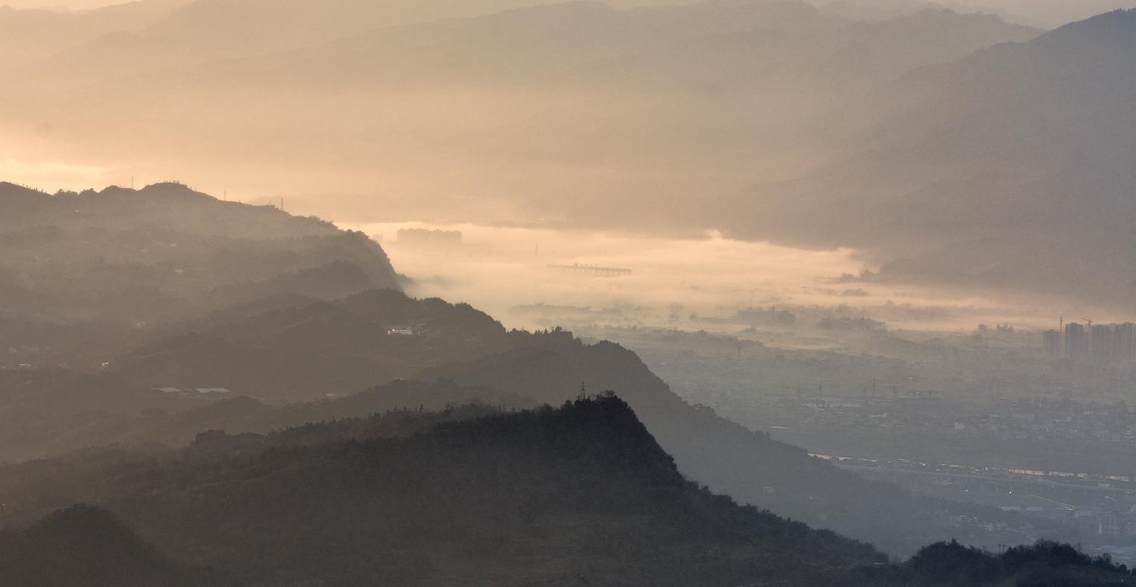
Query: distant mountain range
1012	167
953	148
35	34
395	113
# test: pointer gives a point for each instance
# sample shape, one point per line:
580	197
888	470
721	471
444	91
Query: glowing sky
1037	12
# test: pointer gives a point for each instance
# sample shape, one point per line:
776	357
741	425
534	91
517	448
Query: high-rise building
1099	342
1126	338
1051	342
1077	343
1103	342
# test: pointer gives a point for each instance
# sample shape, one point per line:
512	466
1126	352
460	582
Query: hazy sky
1037	12
66	4
579	118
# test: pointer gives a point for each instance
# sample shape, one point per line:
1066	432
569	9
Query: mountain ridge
585	484
1007	169
166	251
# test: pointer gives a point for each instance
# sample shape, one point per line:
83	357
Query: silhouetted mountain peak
152	194
939	15
7	188
167	247
85	546
570	9
1106	37
602	429
1118	26
84	526
583	488
13	197
171	189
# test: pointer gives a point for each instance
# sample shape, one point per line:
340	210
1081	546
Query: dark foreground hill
576	496
300	350
87	546
1042	564
580	495
731	459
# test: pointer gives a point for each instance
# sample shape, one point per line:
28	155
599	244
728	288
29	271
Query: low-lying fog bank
539	277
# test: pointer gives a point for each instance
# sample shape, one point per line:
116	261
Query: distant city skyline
1109	342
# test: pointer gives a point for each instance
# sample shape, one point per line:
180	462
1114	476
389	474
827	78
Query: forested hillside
296	350
570	496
